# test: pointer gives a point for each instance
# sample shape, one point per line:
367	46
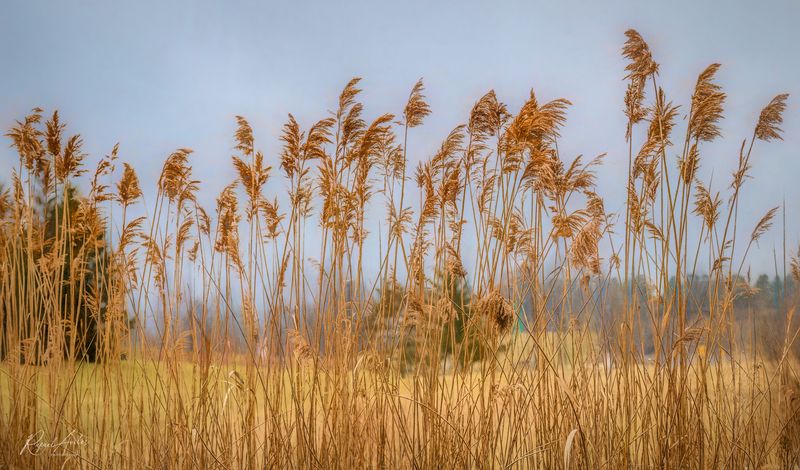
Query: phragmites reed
128	189
175	175
487	117
348	117
763	225
292	147
26	139
584	248
634	108
707	206
302	351
443	311
99	191
347	97
68	162
416	109
771	118
244	136
227	240
536	125
455	266
595	205
565	225
5	203
688	166
253	177
707	106
641	64
497	310
54	131
662	121
414	314
272	218
480	327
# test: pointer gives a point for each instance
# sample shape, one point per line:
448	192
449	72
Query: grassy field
117	414
473	325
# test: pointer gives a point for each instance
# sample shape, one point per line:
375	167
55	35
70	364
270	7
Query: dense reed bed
474	324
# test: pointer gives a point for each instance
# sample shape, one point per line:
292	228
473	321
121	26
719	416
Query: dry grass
492	336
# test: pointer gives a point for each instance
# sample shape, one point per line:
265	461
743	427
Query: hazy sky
156	76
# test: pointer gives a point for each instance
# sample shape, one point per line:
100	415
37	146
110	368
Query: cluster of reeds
494	334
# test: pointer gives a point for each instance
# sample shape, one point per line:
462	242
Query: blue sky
156	76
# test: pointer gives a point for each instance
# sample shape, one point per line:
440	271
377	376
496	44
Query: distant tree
777	292
459	336
387	325
763	292
86	270
71	252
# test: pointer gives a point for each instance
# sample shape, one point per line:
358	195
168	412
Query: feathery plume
566	225
53	133
100	192
497	310
272	218
443	311
302	351
292	139
636	50
706	206
228	224
5	203
763	225
707	106
128	189
184	233
455	267
347	97
658	132
175	175
416	109
688	166
771	117
634	109
487	117
26	139
584	249
253	177
244	136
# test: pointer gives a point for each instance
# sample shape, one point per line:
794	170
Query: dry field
370	315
